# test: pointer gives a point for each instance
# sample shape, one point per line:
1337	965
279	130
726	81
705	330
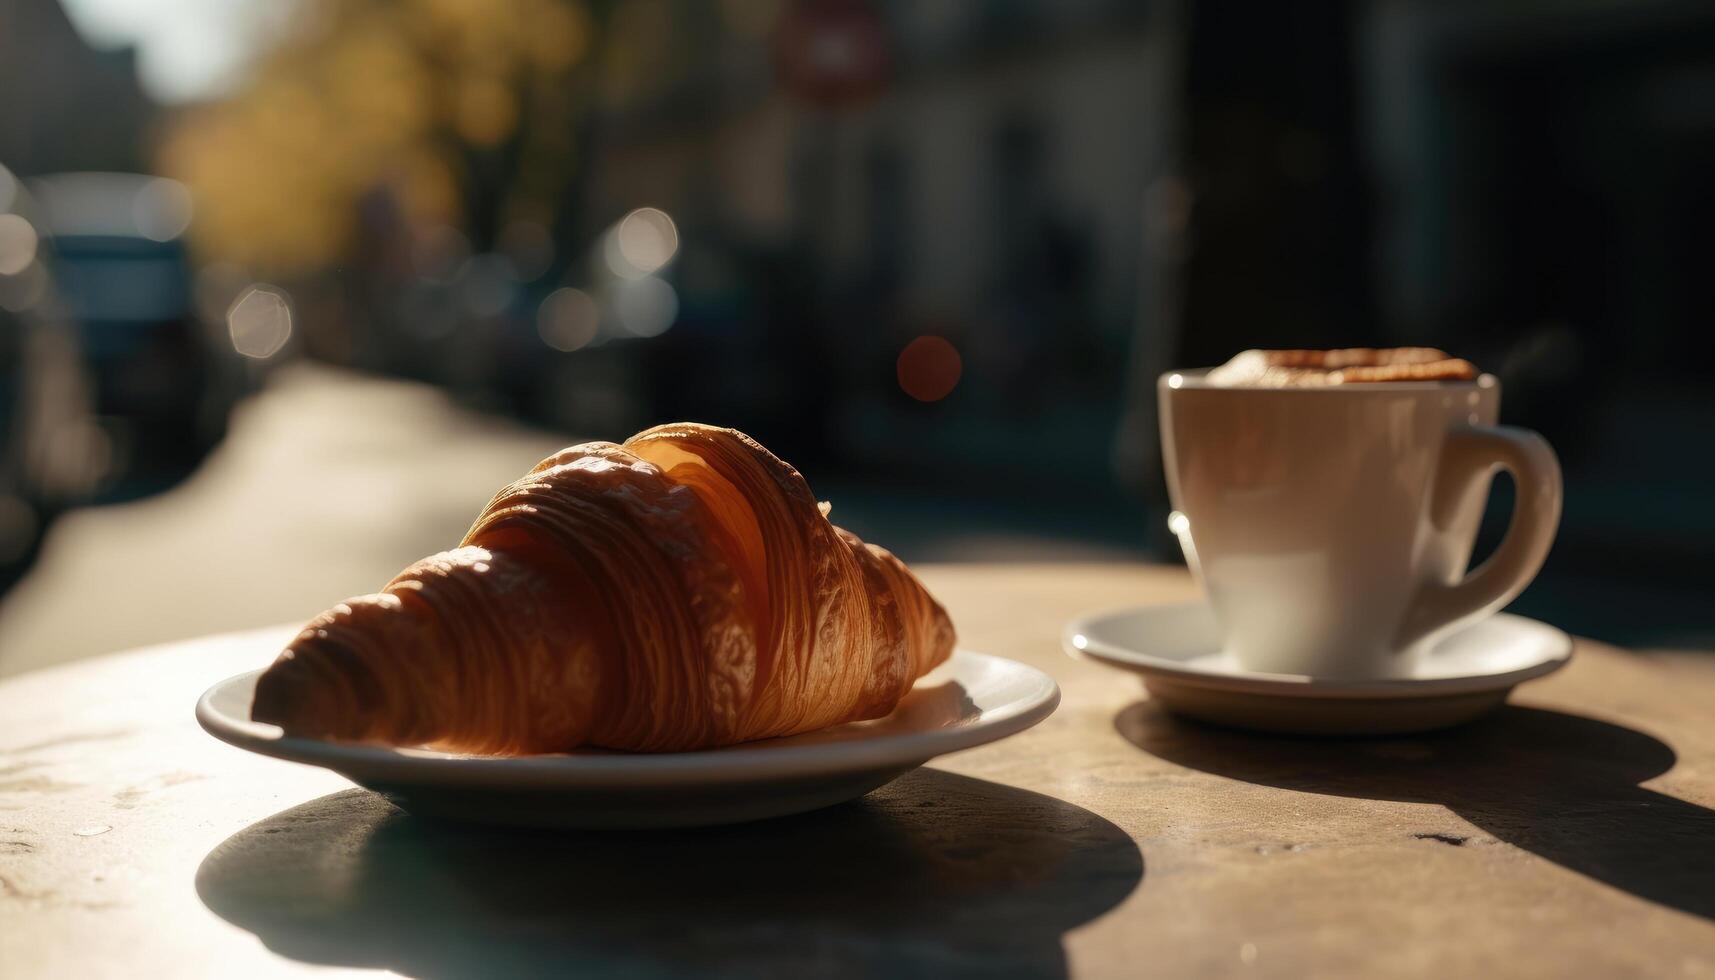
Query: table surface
1569	834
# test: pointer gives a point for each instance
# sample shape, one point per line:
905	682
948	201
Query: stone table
1571	834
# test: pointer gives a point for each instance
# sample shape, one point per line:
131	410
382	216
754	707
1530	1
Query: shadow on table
1561	786
934	873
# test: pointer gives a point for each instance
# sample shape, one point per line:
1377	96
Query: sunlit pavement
327	485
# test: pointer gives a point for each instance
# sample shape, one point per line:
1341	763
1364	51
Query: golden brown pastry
1352	365
682	591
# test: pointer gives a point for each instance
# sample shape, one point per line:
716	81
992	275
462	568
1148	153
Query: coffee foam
1352	365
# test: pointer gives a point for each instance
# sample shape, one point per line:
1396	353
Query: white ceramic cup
1331	526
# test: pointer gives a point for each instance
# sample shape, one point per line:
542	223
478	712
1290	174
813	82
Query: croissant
681	591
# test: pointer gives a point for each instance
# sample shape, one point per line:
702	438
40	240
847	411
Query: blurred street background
288	288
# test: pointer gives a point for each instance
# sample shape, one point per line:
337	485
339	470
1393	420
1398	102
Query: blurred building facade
977	188
66	105
947	247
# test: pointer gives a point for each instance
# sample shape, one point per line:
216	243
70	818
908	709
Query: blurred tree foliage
465	111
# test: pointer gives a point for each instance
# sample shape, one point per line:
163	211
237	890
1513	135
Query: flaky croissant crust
681	591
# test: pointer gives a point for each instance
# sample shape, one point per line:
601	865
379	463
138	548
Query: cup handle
1471	453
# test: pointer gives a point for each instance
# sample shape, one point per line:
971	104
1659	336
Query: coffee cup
1331	526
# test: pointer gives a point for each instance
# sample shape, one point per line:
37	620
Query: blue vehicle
163	381
51	454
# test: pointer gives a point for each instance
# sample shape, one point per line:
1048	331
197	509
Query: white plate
1178	651
972	699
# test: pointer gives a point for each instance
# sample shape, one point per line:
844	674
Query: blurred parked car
164	381
51	455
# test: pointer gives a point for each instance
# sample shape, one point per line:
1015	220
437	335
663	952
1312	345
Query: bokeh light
568	319
645	307
641	244
17	244
260	321
929	368
162	209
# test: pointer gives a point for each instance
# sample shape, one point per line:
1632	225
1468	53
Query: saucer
1178	651
968	701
